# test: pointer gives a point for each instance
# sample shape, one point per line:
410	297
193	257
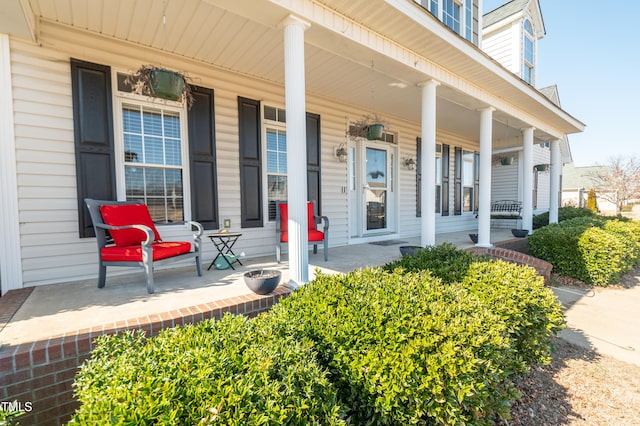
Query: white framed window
152	154
528	56
276	157
467	181
451	14
455	14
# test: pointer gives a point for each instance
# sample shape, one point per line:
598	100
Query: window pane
277	190
132	148
467	198
528	50
451	15
152	141
134	182
131	121
153	150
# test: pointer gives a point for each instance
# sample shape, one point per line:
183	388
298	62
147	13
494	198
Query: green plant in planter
369	126
149	80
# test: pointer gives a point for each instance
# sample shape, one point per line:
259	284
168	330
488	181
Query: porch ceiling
243	36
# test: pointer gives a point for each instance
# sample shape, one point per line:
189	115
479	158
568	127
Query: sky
592	53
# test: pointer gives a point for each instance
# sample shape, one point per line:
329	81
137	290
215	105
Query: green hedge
445	261
406	348
596	250
231	372
564	213
374	346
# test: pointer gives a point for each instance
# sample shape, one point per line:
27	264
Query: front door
372	194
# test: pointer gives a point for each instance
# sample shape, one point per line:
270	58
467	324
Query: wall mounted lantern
409	163
341	153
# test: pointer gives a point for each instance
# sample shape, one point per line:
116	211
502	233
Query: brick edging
42	372
542	266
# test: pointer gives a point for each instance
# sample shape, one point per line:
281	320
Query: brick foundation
42	372
542	266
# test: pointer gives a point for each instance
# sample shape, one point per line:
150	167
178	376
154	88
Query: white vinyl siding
51	248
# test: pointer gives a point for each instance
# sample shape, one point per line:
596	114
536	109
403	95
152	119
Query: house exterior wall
51	248
500	46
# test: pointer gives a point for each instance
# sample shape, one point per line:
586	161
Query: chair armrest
321	219
198	226
146	229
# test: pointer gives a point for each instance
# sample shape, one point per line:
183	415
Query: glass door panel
375	189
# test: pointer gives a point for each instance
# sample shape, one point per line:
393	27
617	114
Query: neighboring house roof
512	8
579	177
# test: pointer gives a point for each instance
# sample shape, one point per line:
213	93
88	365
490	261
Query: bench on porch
506	209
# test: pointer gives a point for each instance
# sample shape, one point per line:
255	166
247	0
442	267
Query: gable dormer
510	35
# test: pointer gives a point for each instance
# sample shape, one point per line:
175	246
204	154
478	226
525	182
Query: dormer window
528	65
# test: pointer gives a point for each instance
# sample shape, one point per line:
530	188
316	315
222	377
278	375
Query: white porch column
484	197
554	185
427	163
527	178
294	80
10	263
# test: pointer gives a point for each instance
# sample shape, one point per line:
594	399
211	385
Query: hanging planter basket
149	80
374	131
166	84
506	161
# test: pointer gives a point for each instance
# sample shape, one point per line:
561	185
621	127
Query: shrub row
564	213
596	250
374	346
230	372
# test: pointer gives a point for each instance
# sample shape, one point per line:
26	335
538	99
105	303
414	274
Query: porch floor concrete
606	320
54	309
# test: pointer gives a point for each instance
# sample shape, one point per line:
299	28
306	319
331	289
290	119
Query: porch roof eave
411	47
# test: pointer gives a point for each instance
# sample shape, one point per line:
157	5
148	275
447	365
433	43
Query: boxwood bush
230	372
445	261
596	250
405	348
564	213
374	346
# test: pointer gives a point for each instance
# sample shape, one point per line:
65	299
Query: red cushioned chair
315	236
133	239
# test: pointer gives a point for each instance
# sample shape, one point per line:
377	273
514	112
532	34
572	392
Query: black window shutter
476	180
250	163
202	158
313	160
457	181
419	177
445	179
93	137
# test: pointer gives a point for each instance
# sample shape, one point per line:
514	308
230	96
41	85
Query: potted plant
506	161
150	80
519	233
541	167
262	281
369	126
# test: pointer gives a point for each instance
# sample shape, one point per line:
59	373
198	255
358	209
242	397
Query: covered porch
77	308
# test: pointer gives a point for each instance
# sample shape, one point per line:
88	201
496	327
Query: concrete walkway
606	320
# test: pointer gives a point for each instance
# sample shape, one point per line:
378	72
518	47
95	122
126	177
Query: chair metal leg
199	265
326	249
198	244
315	249
102	275
147	265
